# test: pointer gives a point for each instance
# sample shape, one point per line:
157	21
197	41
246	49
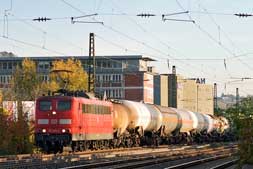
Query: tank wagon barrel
171	121
156	118
120	118
188	123
201	122
210	123
139	116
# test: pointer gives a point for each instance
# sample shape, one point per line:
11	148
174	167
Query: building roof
114	57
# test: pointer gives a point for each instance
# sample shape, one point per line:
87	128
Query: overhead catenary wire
229	39
115	14
122	34
156	37
32	45
43	45
46	34
68	18
166	54
212	38
205	32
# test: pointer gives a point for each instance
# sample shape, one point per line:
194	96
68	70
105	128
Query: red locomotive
64	120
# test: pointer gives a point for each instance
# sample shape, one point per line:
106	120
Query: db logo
53	121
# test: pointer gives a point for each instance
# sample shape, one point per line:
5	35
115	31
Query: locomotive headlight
54	112
44	130
63	130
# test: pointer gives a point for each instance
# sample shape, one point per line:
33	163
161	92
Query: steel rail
226	164
81	157
151	160
200	161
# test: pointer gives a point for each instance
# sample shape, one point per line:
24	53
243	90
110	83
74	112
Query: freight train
84	123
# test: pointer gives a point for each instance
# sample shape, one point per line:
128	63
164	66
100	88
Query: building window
9	65
46	66
104	64
98	64
114	64
109	64
4	66
5	79
40	65
84	64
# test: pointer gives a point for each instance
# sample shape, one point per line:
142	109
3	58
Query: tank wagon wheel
101	144
81	146
137	141
74	146
106	144
111	144
94	145
128	142
86	145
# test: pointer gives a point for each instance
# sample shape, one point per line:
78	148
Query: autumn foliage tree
25	86
26	82
68	75
1	98
14	135
241	116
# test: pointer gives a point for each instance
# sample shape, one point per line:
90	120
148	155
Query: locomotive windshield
45	105
64	105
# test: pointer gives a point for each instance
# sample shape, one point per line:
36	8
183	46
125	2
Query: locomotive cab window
64	105
45	105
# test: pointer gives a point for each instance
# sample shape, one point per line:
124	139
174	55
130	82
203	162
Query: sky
216	46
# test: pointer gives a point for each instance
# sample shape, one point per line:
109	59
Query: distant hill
7	54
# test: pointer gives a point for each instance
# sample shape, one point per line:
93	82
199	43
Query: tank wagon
88	123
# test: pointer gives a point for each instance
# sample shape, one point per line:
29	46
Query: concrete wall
193	96
187	96
205	99
164	90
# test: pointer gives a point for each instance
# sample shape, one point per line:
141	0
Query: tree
1	98
241	116
14	135
69	75
25	85
26	82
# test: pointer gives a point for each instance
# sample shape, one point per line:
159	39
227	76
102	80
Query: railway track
159	158
117	158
